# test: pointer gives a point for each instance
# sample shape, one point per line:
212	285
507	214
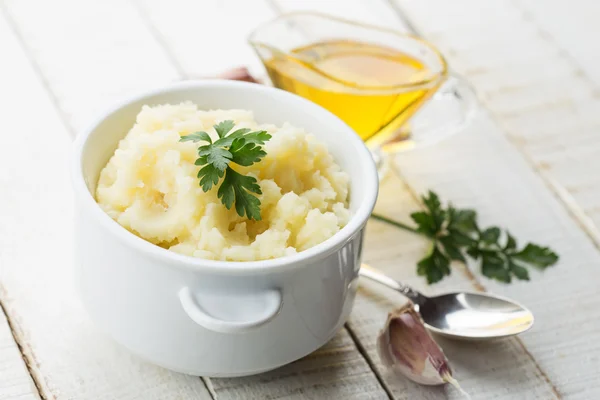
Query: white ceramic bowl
216	318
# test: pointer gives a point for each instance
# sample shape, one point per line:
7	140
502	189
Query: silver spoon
462	315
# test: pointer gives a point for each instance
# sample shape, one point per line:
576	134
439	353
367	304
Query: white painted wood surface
515	165
96	366
556	140
15	381
67	356
546	95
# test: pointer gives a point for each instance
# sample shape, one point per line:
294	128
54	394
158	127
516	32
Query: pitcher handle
449	111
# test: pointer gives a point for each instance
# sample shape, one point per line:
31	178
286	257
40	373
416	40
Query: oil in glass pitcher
374	79
369	86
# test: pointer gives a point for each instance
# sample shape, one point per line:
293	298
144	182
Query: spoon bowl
474	316
462	315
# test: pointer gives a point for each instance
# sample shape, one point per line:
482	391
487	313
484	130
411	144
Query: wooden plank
545	95
92	55
335	371
207	37
474	177
483	171
568	157
67	355
302	379
175	25
307	376
544	388
481	168
15	381
542	391
493	371
483	370
567	26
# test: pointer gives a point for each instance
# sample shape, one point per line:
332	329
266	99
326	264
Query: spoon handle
374	275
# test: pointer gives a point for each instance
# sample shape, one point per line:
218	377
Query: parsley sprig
455	234
242	147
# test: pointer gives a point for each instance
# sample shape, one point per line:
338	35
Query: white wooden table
530	162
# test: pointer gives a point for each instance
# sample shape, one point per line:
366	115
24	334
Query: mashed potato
149	186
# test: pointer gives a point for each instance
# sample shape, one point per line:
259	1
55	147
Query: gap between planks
36	68
402	16
577	213
157	35
480	287
166	48
363	352
159	38
20	347
26	353
162	42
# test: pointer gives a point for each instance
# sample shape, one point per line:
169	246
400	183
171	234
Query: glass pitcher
375	79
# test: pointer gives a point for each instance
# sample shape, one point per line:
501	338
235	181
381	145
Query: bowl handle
234	313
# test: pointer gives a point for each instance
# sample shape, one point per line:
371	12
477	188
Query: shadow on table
337	370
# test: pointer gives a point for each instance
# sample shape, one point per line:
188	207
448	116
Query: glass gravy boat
374	79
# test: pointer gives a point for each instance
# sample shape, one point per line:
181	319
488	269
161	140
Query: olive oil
374	89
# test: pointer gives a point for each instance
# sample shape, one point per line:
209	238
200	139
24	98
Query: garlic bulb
407	348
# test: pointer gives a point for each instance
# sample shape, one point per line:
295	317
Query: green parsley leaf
223	127
473	251
245	153
227	140
209	175
537	256
237	188
196	137
216	156
519	271
455	234
258	137
241	147
425	222
452	248
462	220
433	205
461	238
493	266
511	242
491	235
434	267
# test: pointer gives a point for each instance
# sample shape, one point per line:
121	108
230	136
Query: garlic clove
405	346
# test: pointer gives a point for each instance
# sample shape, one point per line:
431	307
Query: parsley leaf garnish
242	147
455	235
